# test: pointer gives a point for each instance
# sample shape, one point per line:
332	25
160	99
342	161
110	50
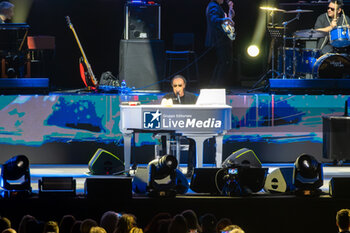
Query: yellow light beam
22	8
260	29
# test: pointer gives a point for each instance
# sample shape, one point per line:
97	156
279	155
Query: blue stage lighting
15	177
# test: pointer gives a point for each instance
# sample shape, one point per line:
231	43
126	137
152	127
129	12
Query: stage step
310	84
24	85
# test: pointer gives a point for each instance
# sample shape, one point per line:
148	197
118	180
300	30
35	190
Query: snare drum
332	66
339	36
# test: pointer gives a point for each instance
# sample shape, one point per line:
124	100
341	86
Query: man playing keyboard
180	96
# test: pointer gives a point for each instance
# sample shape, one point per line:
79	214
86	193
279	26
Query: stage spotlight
15	177
159	169
160	178
307	175
253	50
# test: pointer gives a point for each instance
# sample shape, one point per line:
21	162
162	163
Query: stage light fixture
253	50
162	176
307	175
15	177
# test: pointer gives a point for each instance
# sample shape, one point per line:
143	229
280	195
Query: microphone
178	97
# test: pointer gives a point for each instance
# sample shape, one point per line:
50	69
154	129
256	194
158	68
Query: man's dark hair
343	219
338	2
178	76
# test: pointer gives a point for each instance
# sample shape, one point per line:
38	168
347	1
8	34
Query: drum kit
303	63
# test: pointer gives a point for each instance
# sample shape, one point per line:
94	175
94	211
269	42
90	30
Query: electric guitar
228	25
229	29
86	72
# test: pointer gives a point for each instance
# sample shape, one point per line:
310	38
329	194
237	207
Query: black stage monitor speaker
142	21
339	187
141	63
117	188
63	186
242	157
105	163
203	180
280	180
336	134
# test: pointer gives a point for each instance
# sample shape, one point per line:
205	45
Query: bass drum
332	66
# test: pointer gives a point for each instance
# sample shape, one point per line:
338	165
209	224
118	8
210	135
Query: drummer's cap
5	6
339	2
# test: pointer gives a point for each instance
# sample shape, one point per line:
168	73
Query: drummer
6	11
329	20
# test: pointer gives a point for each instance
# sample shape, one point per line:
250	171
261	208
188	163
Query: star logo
152	120
156	115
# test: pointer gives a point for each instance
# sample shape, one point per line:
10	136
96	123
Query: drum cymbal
310	33
271	9
298	11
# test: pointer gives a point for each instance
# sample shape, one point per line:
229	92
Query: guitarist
217	38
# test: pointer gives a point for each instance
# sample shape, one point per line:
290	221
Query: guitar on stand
86	72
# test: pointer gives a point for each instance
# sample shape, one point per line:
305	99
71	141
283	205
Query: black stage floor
260	212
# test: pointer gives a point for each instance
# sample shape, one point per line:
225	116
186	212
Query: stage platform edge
324	85
24	85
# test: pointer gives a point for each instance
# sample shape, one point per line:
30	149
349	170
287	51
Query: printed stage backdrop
68	129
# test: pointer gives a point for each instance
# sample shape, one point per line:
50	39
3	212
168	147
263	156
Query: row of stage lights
239	176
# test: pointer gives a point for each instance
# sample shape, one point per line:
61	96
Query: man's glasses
330	8
177	85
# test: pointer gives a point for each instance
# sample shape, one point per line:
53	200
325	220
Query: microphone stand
284	24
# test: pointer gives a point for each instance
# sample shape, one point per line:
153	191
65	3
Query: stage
60	128
60	132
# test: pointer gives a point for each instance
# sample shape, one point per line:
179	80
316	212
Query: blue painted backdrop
70	128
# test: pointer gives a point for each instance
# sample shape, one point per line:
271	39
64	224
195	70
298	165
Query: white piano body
198	122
